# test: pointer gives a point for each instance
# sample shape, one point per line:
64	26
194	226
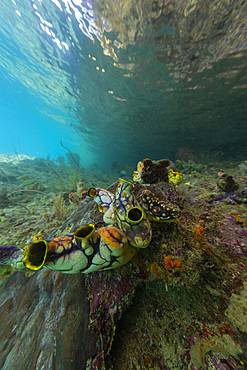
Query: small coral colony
127	228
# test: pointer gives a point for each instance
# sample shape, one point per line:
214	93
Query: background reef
179	304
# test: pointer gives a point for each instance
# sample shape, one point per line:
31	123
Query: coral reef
226	182
175	305
237	309
223	344
151	172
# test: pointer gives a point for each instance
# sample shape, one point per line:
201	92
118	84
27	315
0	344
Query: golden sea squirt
130	217
175	177
158	210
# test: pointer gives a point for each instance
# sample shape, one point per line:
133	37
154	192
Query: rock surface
45	322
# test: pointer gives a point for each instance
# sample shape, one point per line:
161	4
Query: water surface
121	81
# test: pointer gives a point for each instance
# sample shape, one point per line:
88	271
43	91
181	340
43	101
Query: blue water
119	82
36	96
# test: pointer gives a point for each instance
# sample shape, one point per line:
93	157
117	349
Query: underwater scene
123	184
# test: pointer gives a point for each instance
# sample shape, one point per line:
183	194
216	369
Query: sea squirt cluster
86	250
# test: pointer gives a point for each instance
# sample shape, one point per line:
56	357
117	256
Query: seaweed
71	156
55	172
59	207
4	174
